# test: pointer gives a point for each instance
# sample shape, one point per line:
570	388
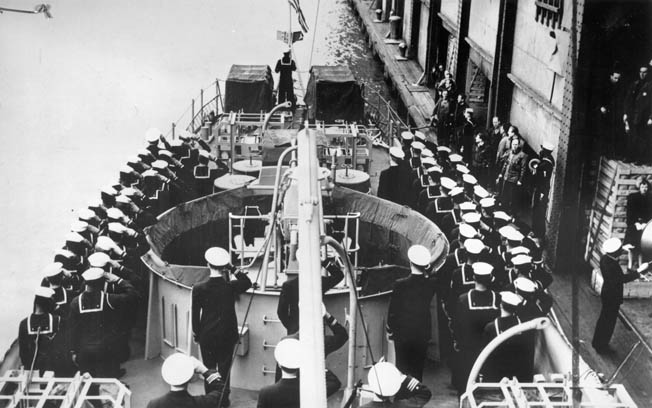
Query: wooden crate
638	289
608	218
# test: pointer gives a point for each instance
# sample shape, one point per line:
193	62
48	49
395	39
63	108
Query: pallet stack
608	218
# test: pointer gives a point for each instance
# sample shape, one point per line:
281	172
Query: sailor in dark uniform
408	316
53	278
392	388
284	67
285	393
94	319
177	370
72	266
507	359
389	182
287	309
611	293
152	137
214	322
542	175
86	230
37	332
473	311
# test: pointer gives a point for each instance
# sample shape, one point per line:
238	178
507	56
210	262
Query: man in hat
473	311
177	371
408	316
392	388
53	278
285	393
609	113
507	359
288	300
611	294
482	159
467	135
37	333
389	182
542	175
442	118
94	318
214	322
638	117
284	67
510	179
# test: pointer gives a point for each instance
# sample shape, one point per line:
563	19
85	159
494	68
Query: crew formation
493	277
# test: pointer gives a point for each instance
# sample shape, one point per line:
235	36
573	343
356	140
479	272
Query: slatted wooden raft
608	218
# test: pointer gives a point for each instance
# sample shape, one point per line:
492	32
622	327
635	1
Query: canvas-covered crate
608	216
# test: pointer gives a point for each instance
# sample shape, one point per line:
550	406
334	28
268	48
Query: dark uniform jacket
389	184
288	301
639	209
408	317
285	393
614	279
47	325
412	394
514	167
638	102
508	360
181	399
213	308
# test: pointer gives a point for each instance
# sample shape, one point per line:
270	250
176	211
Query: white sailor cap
502	215
420	136
176	143
456	191
126	169
524	285
462	169
64	253
427	153
488	202
521	260
165	153
86	214
480	192
455	158
206	154
510	233
467	231
160	164
74	237
384	379
407	135
612	245
467	206
482	269
419	255
93	274
144	153
109	190
53	269
98	259
44	292
134	160
436	168
430	161
473	246
547	146
117	228
469	179
416	145
123	199
448	183
152	135
150	173
95	203
129	192
471	218
509	298
444	149
395	152
217	256
78	226
114	214
520	250
105	243
288	353
185	135
177	369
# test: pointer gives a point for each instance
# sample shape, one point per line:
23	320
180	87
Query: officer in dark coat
408	317
611	293
389	182
178	370
288	301
542	175
214	322
285	393
95	317
474	310
37	333
638	117
392	388
284	67
639	212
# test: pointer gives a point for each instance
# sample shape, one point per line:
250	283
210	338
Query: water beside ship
79	90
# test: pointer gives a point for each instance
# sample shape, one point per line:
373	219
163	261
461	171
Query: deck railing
209	100
381	113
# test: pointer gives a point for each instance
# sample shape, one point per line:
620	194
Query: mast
312	379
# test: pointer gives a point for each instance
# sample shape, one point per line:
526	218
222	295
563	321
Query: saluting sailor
389	182
214	322
408	317
94	319
53	277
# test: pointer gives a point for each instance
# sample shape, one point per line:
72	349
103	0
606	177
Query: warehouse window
549	12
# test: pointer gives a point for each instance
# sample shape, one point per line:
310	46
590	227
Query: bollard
402	47
394	27
379	15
